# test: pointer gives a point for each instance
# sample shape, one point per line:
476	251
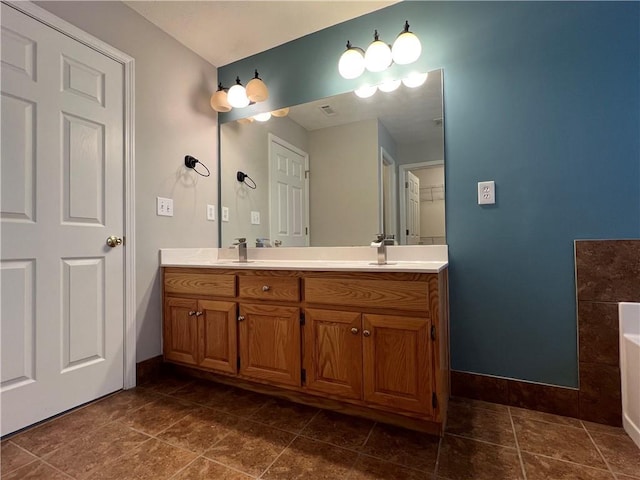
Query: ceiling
222	32
407	113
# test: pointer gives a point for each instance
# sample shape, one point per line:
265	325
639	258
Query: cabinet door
396	362
218	348
181	330
333	348
270	343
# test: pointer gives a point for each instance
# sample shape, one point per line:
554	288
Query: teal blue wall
543	98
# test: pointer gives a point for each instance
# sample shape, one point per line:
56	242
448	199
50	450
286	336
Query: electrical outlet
255	218
211	212
164	207
486	193
225	214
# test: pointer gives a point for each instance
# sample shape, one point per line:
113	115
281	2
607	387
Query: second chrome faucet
241	245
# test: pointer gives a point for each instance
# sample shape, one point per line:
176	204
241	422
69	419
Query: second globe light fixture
406	49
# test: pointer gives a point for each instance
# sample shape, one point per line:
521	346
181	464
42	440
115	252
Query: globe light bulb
237	95
407	47
256	90
262	117
389	86
366	91
378	55
415	80
351	64
219	100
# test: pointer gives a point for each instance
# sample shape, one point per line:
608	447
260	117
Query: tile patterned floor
184	429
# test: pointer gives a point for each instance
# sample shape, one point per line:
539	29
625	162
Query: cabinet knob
240	318
354	330
266	288
366	333
191	313
198	314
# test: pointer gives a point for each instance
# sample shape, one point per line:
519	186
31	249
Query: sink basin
382	265
229	262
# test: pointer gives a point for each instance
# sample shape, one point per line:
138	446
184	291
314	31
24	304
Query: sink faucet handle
240	240
379	237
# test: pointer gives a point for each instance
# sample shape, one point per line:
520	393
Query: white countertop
410	258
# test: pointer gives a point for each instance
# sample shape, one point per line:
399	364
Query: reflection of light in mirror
283	112
262	117
415	80
366	91
389	86
246	121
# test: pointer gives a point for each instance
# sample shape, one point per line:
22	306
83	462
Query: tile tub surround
607	272
274	439
406	258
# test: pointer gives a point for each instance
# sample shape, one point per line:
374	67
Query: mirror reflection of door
412	211
389	205
422	207
288	194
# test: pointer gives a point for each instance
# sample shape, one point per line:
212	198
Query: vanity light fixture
378	55
237	95
366	91
219	101
351	63
262	117
389	86
256	89
407	47
415	80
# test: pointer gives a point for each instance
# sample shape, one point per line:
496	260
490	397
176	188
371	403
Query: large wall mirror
336	171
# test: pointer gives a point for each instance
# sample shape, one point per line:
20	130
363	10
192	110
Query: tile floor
185	429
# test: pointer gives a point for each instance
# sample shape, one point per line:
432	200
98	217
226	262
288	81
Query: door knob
266	288
366	333
114	241
192	313
241	318
354	330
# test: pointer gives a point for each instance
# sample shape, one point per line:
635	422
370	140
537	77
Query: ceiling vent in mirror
327	110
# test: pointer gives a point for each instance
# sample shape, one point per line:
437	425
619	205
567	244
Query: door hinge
306	230
434	400
306	173
407	231
302	319
238	363
433	332
406	184
303	376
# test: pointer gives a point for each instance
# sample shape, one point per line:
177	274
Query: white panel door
288	196
412	213
62	169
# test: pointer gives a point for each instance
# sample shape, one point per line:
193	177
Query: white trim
64	27
275	139
385	158
402	179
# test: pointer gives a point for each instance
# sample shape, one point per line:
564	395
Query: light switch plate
225	214
255	218
211	212
486	193
164	207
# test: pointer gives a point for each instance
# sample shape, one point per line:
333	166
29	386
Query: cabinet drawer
269	288
213	284
404	295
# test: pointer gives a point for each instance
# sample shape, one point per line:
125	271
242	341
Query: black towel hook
190	162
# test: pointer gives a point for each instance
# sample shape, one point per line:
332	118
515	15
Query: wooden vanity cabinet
372	344
201	333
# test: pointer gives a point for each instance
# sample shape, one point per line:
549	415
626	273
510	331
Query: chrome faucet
380	244
241	243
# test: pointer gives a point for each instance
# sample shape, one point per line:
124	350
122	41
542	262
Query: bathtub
629	316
